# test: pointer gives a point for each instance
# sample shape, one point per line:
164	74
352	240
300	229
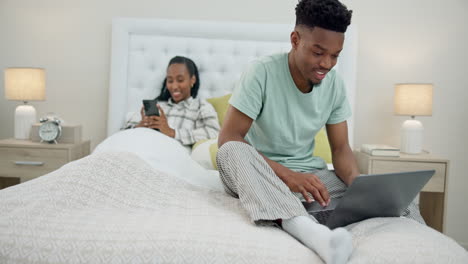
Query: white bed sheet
163	153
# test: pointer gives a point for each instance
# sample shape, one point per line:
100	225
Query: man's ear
295	37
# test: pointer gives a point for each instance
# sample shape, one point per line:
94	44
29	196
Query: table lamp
413	100
24	84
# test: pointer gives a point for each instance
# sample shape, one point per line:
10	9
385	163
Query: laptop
373	195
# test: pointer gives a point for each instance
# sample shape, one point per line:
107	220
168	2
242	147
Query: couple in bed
267	139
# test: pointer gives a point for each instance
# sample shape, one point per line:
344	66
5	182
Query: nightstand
433	197
23	160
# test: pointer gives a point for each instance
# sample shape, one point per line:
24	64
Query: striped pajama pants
246	175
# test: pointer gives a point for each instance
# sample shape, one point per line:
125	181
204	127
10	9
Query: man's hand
306	183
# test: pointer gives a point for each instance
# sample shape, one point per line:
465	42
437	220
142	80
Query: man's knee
232	150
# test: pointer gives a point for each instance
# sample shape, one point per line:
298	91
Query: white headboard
142	48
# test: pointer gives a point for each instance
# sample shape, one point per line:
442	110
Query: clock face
49	131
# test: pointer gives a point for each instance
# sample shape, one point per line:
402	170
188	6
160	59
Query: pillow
221	105
322	147
204	151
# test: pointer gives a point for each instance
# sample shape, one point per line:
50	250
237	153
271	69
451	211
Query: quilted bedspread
112	207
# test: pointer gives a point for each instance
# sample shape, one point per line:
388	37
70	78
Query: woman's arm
206	126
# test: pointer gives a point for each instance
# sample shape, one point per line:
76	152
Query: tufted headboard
142	48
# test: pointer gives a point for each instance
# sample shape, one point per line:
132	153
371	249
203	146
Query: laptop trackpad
314	207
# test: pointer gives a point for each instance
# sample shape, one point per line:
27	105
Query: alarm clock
50	129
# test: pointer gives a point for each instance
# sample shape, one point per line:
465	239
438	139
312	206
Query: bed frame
142	48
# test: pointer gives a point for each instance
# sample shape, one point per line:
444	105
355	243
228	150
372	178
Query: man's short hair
327	14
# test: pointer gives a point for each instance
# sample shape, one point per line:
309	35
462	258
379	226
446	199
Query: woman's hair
192	69
327	14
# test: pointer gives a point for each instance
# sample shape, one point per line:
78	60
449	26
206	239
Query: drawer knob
29	163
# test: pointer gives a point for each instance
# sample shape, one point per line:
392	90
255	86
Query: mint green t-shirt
285	119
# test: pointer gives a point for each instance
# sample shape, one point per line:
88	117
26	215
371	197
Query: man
267	139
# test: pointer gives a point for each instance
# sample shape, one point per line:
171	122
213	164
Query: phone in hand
150	107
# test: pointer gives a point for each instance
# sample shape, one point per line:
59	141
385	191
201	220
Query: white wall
400	41
417	41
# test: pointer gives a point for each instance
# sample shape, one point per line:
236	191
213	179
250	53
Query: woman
181	115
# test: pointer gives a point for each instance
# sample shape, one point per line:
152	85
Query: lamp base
25	117
411	136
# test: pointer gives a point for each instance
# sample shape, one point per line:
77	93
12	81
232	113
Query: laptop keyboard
322	216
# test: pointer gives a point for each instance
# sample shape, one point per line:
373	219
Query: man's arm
236	125
343	159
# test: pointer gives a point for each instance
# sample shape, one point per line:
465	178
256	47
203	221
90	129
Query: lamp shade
413	99
25	84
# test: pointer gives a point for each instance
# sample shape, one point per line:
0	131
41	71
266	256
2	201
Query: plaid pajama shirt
193	120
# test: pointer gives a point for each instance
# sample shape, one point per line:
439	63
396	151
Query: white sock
334	247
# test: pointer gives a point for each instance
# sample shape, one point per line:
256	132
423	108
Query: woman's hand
156	122
144	119
306	183
160	122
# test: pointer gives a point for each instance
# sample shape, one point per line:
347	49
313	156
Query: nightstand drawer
28	163
435	184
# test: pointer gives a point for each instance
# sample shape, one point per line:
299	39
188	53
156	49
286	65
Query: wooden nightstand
23	160
433	197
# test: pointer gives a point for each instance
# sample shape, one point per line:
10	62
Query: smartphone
150	107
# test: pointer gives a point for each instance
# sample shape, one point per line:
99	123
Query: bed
141	198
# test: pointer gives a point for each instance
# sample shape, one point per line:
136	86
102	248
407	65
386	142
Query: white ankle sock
334	247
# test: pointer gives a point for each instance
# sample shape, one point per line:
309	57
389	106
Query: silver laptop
374	195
